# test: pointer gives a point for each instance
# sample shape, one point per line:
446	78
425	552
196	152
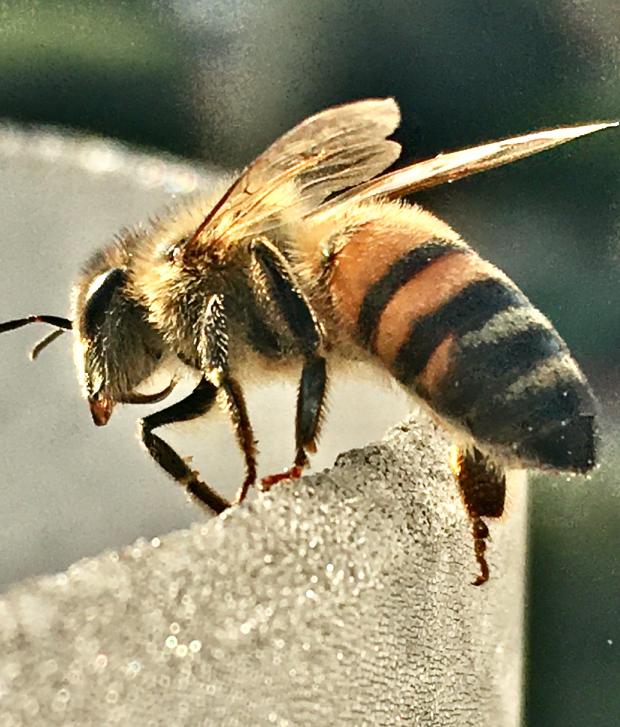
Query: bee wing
455	165
333	150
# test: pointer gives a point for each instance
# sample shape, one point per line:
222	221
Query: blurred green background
219	80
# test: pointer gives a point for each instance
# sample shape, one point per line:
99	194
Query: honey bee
310	259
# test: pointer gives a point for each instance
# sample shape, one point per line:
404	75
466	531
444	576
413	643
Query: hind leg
482	485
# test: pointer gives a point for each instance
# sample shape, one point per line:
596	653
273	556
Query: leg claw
268	482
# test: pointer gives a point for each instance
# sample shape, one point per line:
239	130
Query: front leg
280	285
213	351
195	405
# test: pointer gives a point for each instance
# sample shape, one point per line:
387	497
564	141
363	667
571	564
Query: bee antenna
61	325
45	342
57	321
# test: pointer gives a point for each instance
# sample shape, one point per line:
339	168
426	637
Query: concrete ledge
343	599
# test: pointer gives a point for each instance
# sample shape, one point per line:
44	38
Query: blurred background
218	80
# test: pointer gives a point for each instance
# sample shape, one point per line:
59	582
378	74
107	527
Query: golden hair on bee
308	257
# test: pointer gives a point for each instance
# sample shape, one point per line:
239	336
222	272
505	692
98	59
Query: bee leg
310	403
213	350
310	400
195	405
235	405
483	490
295	309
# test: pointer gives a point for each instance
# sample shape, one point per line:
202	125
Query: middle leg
278	280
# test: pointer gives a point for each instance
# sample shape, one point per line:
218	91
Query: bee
308	260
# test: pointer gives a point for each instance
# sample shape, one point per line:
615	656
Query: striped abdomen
464	338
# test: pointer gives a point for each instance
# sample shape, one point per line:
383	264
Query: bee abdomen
464	338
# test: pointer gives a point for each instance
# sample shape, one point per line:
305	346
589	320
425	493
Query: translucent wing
333	150
455	165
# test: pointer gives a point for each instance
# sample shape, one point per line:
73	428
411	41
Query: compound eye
99	300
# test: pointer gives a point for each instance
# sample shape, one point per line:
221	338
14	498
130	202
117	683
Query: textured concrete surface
343	599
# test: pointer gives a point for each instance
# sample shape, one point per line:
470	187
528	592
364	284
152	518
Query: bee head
116	348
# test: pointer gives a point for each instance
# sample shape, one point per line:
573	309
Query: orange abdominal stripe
439	363
421	264
410	304
376	260
466	311
423	295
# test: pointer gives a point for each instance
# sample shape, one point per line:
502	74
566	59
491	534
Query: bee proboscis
310	259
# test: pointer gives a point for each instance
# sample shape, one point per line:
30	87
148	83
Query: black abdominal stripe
414	261
511	381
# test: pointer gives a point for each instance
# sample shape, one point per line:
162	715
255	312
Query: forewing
333	150
455	165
